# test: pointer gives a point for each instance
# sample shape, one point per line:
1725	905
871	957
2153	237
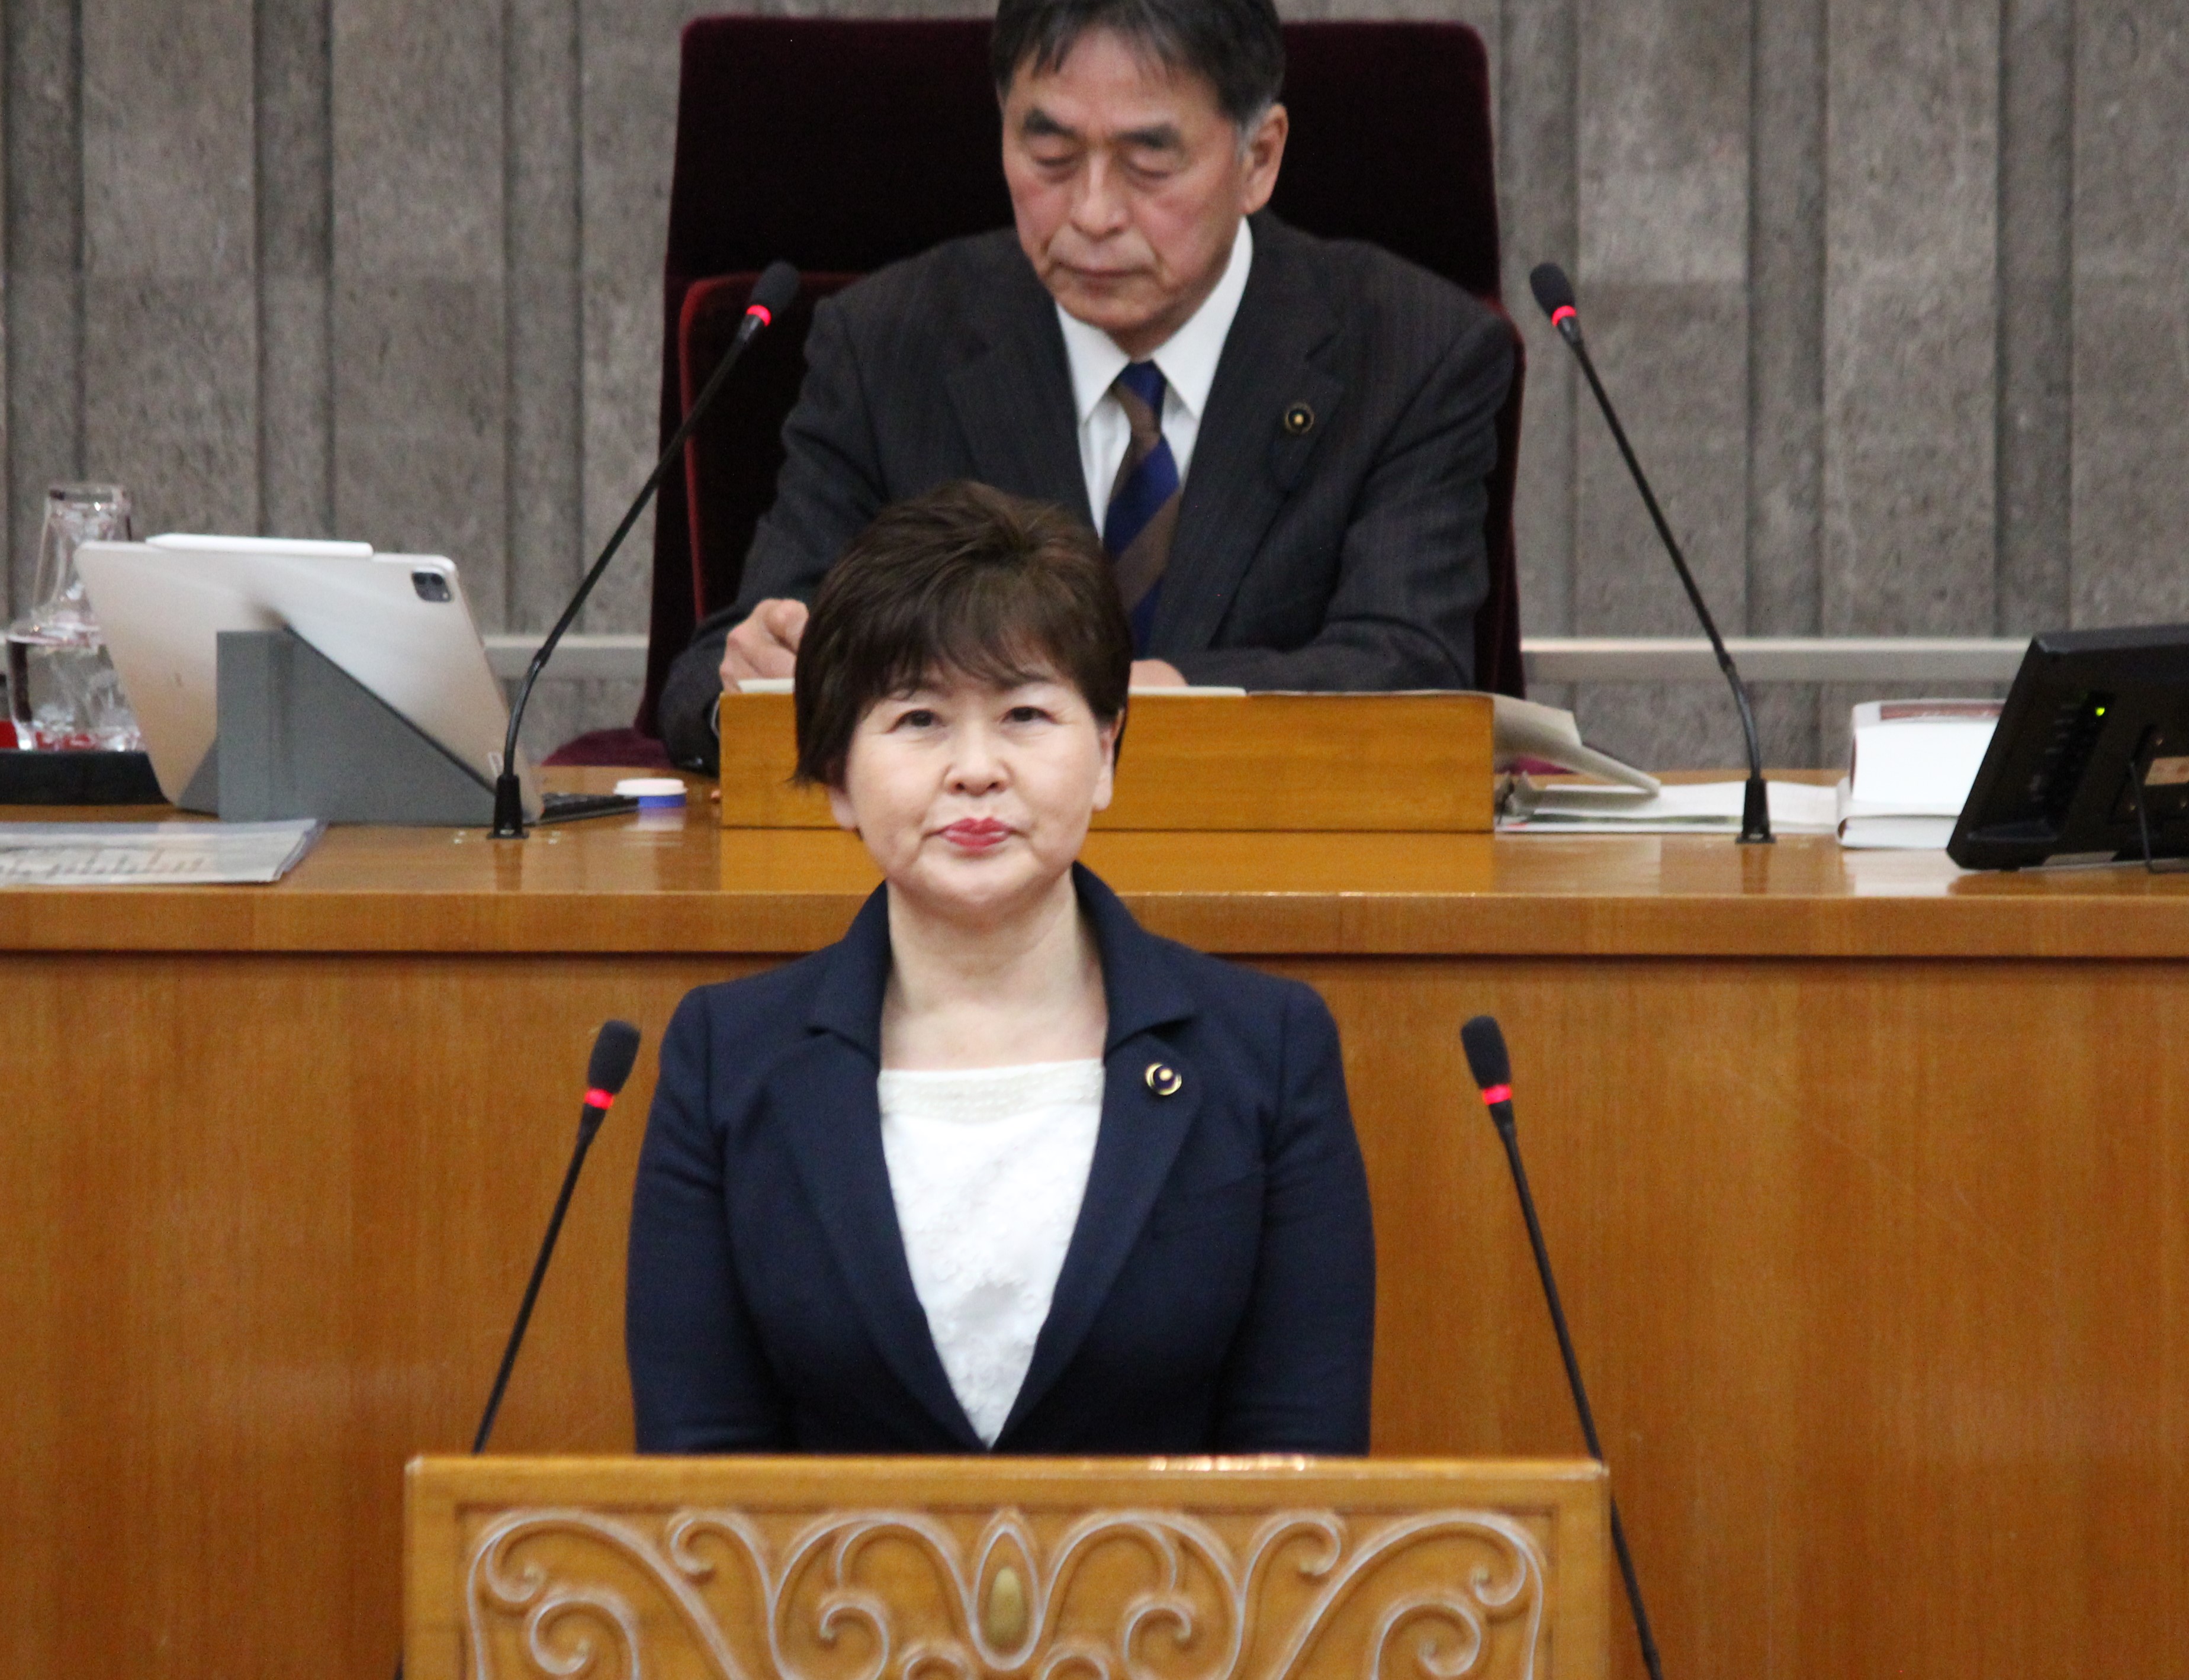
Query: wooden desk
1869	1184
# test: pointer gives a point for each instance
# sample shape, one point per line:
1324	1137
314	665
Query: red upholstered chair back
841	145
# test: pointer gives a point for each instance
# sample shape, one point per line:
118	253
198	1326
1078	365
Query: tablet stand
300	737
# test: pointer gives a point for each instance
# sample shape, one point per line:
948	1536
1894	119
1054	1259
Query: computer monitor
2095	717
398	624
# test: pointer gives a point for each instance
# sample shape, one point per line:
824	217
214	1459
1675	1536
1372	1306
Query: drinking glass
62	688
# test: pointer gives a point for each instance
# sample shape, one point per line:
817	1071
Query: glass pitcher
62	688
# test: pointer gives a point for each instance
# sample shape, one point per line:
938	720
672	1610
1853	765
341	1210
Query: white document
1919	755
1682	808
1912	763
1528	729
152	854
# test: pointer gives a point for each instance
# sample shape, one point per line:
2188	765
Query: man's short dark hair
964	579
1236	46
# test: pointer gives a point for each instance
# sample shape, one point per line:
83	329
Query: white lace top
987	1167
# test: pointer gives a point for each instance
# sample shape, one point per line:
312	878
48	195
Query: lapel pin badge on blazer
1299	421
1163	1081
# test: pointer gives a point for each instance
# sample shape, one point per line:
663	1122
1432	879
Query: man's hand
765	644
1152	673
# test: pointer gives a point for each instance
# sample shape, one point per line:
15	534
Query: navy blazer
1218	1295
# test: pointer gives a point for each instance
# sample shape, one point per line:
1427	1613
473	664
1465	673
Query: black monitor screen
2088	708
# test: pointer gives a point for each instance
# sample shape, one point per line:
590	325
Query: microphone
1492	1067
1555	293
615	1052
772	294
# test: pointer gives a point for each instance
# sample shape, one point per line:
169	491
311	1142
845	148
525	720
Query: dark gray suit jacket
1349	555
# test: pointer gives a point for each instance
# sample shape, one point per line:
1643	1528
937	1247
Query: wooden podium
1252	763
959	1569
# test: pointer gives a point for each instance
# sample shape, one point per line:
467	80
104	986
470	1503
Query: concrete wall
1890	291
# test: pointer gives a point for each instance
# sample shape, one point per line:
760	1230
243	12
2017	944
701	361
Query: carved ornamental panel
1053	1581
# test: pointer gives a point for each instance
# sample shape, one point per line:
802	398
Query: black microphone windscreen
1553	289
615	1052
1486	1056
775	289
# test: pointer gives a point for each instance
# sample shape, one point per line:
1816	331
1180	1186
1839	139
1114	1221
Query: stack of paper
152	854
1911	766
1525	731
1694	808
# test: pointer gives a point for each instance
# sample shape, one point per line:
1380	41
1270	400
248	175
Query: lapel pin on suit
1299	419
1163	1081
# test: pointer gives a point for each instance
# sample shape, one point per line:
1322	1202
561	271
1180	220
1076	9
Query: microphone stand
1756	801
508	792
1509	1134
589	1125
614	1051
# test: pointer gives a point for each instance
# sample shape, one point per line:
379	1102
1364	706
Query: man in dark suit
1283	442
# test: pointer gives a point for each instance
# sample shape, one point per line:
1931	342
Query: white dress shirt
1187	360
987	1167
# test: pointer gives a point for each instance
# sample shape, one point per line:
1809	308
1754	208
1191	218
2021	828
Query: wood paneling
1287	763
1868	1186
1258	1568
1876	1270
268	1220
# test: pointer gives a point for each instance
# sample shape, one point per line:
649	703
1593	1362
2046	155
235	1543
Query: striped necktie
1144	502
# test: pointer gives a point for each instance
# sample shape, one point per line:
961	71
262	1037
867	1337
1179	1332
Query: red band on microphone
1494	1094
766	315
1563	314
603	1100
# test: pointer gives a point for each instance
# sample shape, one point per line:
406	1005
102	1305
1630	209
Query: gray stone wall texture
1890	292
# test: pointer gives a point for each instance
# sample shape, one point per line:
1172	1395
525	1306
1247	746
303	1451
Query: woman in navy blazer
1217	1290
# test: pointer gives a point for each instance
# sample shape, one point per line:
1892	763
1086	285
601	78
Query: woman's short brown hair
964	580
